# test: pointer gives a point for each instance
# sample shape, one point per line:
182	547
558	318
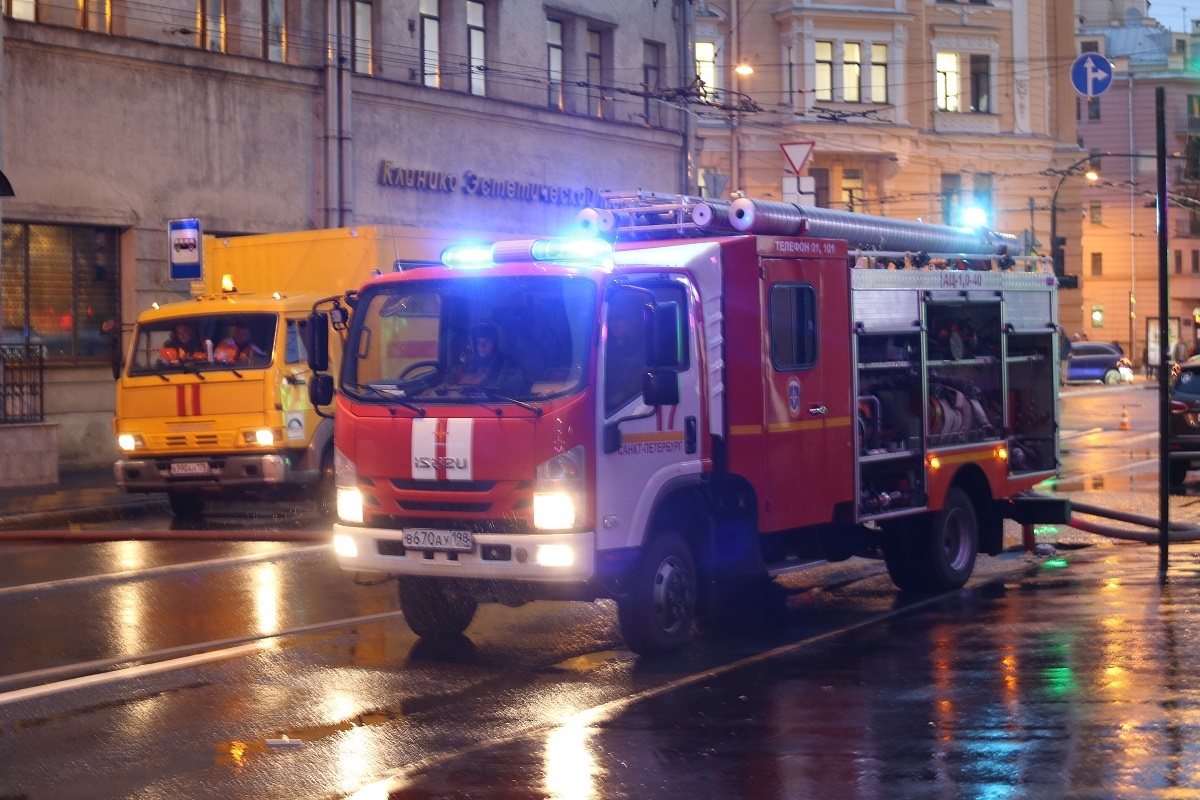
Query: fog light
344	546
555	555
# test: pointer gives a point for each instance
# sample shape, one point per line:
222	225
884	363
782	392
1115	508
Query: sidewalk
79	496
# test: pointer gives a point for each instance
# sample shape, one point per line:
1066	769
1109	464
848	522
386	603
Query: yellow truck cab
211	398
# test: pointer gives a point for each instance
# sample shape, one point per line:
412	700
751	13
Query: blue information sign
1091	74
184	249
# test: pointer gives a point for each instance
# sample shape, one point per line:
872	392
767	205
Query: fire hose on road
1177	531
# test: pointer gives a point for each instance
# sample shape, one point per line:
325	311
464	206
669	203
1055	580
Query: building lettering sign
474	184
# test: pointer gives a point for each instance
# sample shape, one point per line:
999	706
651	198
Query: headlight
349	498
262	436
558	490
129	442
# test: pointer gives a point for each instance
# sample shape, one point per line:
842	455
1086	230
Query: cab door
642	447
808	469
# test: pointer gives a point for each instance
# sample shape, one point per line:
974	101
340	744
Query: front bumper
495	556
224	472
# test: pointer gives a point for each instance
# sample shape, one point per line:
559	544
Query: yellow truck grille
185	441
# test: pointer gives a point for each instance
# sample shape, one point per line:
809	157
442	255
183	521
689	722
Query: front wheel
1112	377
433	610
656	616
935	552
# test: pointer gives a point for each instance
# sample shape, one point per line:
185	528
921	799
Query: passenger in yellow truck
181	345
237	348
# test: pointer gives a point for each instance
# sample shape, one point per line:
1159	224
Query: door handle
817	411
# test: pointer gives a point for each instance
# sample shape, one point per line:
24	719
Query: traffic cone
1124	426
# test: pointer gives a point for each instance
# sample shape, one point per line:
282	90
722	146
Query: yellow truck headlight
130	442
262	436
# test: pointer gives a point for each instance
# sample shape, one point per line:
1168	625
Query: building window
947	82
983	191
212	25
652	63
852	72
431	74
793	326
706	69
96	15
951	197
1196	262
1097	265
476	55
364	61
879	73
275	30
1178	262
1094	213
852	190
1093	108
58	286
554	63
595	68
21	9
823	73
1090	46
981	83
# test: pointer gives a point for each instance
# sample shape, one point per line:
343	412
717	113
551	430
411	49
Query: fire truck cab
731	392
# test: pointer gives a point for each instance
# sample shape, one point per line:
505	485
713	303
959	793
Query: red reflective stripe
180	402
439	448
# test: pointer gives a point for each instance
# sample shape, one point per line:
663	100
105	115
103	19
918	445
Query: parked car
1098	362
1183	425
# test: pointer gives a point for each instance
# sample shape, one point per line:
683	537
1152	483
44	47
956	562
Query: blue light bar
587	250
468	256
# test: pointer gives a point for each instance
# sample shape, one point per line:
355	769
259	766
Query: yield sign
797	154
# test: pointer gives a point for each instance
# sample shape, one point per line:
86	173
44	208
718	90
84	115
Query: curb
66	516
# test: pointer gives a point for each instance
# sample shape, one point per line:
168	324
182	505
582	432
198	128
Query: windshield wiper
497	395
363	388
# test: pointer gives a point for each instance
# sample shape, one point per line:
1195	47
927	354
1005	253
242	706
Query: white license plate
425	539
190	468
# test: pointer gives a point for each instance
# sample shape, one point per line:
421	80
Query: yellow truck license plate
426	539
190	468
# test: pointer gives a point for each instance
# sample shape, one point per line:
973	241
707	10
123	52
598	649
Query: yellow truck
211	398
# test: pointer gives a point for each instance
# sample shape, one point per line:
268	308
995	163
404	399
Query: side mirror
318	343
320	389
112	329
663	346
660	388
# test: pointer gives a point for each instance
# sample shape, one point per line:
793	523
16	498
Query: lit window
706	69
59	285
212	25
823	77
947	81
851	72
879	73
21	9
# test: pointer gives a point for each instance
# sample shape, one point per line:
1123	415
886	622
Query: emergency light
475	256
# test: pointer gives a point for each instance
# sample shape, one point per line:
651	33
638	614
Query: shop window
59	284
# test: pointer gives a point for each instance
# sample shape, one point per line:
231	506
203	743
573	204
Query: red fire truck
730	392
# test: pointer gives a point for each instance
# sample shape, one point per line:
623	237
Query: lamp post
1057	245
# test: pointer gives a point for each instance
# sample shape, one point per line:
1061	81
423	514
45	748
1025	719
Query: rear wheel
185	504
433	609
656	616
936	552
1112	377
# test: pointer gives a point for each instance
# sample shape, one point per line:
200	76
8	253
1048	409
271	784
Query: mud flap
1030	509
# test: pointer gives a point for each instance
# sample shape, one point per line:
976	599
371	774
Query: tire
433	610
656	616
185	504
1112	377
935	552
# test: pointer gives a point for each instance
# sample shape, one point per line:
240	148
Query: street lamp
1057	245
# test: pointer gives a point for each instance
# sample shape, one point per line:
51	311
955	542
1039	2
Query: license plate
184	468
425	539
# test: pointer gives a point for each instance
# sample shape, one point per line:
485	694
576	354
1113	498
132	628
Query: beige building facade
274	115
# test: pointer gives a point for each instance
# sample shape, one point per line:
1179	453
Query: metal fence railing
22	386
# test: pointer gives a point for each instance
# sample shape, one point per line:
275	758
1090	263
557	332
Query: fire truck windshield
522	338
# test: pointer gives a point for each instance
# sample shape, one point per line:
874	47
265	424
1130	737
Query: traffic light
1058	255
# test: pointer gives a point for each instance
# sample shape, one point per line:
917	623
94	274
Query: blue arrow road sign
1091	74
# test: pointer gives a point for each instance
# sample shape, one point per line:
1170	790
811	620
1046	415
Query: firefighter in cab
237	348
183	344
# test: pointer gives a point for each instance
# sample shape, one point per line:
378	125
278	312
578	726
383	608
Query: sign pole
1164	377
